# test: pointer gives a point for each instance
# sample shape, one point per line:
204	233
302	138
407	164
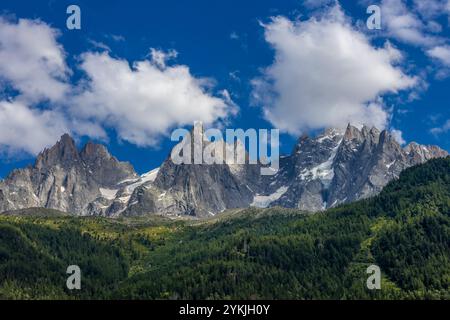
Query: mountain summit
64	178
341	166
338	166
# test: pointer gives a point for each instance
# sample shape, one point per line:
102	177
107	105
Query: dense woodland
251	253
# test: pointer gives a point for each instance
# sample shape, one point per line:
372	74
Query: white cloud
441	53
25	129
99	45
32	61
145	100
160	58
443	129
433	26
405	25
33	64
419	23
140	102
430	8
326	73
398	136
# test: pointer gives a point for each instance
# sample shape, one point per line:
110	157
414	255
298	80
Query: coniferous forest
242	254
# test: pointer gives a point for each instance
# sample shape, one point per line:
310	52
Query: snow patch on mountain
109	194
330	134
324	171
146	177
261	201
150	176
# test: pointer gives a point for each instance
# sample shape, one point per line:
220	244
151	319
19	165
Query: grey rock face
65	179
344	166
337	166
193	189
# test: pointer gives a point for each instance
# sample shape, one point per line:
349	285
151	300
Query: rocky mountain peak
352	133
64	152
331	132
334	167
94	150
103	167
365	130
64	178
420	153
374	134
339	166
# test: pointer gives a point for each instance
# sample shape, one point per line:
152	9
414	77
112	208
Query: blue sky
236	46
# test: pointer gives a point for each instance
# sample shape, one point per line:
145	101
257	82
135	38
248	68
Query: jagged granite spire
337	166
341	166
65	179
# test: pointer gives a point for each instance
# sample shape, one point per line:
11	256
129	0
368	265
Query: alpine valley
250	253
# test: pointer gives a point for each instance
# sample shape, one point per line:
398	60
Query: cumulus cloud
146	99
32	61
25	129
326	73
441	53
140	102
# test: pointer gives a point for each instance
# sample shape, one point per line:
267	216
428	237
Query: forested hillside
250	253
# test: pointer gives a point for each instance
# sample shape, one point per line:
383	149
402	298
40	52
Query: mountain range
335	167
250	253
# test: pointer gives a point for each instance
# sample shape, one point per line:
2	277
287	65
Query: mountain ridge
334	167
